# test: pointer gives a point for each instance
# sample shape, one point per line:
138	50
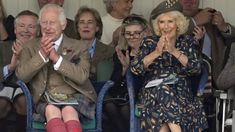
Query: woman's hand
169	45
199	32
161	45
124	58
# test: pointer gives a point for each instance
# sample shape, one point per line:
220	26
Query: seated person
169	57
135	28
89	27
69	30
57	70
6	25
26	28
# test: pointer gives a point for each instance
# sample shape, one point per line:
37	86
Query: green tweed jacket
74	68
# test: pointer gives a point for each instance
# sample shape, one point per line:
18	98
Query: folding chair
91	126
227	99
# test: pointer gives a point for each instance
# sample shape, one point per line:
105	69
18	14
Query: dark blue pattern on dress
170	103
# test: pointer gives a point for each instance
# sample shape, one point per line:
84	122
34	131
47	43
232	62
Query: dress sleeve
147	46
191	49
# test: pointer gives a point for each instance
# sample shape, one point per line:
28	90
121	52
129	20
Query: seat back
134	121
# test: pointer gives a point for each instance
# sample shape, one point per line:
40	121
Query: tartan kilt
85	107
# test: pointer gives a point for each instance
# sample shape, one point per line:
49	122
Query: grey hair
181	21
62	16
26	13
108	5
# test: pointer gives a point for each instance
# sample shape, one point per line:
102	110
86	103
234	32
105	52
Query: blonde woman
169	58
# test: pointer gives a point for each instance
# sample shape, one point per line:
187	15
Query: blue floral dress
170	103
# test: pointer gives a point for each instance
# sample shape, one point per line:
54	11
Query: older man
57	70
70	28
213	47
26	28
117	10
213	44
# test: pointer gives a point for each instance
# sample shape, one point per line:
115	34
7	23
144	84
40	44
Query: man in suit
70	29
57	69
227	76
26	28
213	47
213	44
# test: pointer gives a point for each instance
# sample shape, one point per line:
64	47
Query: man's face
44	2
122	8
51	25
190	7
26	28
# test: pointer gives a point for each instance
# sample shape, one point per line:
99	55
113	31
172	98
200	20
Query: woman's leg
54	121
164	128
71	119
114	115
5	107
125	114
19	103
174	127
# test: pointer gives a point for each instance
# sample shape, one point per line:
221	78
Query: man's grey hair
62	16
108	5
25	13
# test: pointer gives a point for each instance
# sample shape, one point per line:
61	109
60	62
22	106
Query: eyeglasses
134	35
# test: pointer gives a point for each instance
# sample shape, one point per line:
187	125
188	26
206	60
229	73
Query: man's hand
17	48
218	20
46	46
203	17
53	56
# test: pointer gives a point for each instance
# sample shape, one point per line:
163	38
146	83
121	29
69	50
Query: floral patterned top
167	64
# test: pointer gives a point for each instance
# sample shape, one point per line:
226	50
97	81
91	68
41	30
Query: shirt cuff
44	59
6	72
58	63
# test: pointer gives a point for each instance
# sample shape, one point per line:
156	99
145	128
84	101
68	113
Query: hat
166	6
134	19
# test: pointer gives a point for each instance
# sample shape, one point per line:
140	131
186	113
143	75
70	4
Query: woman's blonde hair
181	22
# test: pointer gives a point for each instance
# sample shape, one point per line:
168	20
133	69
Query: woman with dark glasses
135	28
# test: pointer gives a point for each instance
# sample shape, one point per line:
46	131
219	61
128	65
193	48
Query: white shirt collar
58	42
